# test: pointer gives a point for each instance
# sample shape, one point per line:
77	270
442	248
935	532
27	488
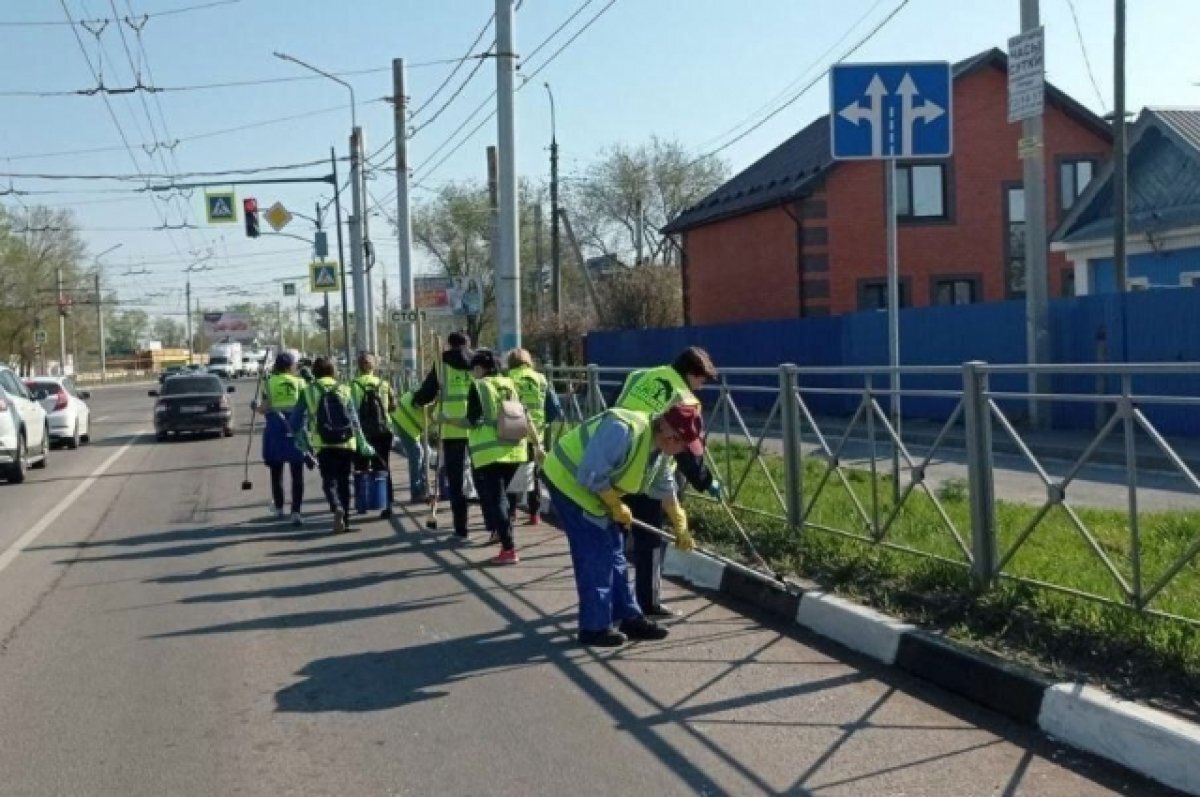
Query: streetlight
188	303
100	308
357	224
555	267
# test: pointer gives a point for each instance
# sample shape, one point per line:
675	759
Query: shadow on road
308	619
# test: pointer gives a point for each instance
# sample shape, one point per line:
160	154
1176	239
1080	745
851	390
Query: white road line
102	419
26	539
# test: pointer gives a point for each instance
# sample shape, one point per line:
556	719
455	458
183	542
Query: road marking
103	418
30	536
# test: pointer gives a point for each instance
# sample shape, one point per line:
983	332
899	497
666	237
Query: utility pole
361	341
325	294
494	226
639	232
555	253
508	276
368	248
279	323
337	213
1120	155
187	305
387	326
300	322
100	327
1037	313
537	257
62	325
408	346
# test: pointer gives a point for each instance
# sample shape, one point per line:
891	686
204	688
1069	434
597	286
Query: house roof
791	170
1164	181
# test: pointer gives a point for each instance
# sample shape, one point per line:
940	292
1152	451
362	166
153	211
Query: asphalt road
159	636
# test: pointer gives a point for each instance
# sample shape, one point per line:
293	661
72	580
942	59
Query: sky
703	72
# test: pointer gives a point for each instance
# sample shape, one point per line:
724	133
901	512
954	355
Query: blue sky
688	69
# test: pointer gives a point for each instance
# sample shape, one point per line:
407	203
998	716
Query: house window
921	191
956	290
1073	178
873	294
1014	222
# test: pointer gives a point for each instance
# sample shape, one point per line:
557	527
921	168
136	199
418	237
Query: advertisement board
224	327
442	295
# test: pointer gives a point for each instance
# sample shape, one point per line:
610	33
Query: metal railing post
793	461
978	423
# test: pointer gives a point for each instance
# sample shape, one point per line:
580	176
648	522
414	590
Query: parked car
24	430
169	372
66	408
192	403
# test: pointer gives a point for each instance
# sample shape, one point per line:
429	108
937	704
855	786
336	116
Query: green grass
1066	634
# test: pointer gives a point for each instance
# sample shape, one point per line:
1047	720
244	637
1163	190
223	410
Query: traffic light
250	211
322	315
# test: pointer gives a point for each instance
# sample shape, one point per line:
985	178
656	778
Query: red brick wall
742	269
745	268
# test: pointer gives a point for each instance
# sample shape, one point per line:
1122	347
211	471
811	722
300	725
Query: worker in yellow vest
373	405
653	390
544	409
281	390
410	423
592	470
451	381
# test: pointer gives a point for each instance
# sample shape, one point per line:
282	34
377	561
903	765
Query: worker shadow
314	588
195	534
124	474
291	565
219	542
311	619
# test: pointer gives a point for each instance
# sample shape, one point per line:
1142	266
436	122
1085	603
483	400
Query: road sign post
885	112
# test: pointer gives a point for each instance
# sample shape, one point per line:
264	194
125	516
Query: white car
66	408
24	429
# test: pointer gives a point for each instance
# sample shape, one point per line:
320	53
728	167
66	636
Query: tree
636	191
126	331
642	298
169	332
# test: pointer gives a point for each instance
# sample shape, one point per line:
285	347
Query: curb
1150	742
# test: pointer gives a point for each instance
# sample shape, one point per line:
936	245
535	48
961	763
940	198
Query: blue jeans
601	573
418	484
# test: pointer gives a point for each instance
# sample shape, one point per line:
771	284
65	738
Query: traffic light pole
337	213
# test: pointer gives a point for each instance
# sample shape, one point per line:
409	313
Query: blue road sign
891	110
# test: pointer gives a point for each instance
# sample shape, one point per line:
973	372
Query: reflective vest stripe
485	447
633	475
406	416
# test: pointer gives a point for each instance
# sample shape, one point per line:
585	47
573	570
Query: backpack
333	419
512	423
371	416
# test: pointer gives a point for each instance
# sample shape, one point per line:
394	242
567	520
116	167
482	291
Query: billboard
443	295
224	327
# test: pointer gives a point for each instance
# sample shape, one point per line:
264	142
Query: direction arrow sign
891	110
277	216
323	277
219	207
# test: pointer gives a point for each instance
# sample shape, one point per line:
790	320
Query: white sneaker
297	519
339	522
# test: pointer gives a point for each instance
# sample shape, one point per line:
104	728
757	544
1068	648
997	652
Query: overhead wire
105	20
1087	61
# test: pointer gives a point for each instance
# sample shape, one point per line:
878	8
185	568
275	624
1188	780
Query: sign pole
893	287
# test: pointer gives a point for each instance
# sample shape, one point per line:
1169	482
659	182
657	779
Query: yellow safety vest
532	388
362	382
283	391
486	448
653	390
312	399
454	401
410	419
634	475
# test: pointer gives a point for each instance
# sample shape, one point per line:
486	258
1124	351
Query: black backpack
372	417
333	418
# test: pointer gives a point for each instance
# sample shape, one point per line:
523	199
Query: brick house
799	235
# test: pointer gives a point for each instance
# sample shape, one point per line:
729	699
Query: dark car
192	403
167	373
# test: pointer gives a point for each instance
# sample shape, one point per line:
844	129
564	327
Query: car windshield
217	360
191	384
42	384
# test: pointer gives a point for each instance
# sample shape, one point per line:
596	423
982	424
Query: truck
225	360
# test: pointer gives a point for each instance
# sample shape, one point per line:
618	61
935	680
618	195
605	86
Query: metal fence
847	470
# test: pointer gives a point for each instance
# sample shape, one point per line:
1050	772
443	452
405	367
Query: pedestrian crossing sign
220	207
324	277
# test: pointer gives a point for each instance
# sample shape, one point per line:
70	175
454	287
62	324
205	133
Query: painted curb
768	596
857	627
694	568
1148	741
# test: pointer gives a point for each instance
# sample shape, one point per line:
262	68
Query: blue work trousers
418	483
601	573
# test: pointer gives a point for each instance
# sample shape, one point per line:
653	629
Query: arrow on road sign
909	114
872	114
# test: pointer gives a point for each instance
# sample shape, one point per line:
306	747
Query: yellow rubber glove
679	523
620	513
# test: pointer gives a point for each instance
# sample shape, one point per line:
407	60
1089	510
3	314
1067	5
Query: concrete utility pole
62	325
1120	155
555	252
368	248
1037	313
337	215
100	327
187	305
408	346
361	341
537	258
387	326
494	225
508	275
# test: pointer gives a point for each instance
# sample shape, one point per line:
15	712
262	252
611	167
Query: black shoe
459	538
385	514
641	628
607	638
661	610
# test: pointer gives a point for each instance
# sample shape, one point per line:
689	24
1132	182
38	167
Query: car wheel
227	431
16	471
72	442
45	460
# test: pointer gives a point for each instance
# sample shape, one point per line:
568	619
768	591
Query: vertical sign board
1026	75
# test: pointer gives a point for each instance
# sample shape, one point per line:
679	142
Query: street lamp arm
323	73
553	123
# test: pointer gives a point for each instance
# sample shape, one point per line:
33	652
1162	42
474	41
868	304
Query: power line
145	176
1087	61
105	21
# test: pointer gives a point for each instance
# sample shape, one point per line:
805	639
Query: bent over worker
409	424
653	390
591	469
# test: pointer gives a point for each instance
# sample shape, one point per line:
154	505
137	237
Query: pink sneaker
506	558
